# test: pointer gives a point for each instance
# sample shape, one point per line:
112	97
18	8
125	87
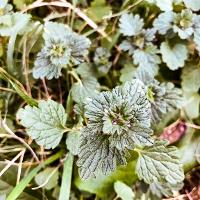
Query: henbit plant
109	125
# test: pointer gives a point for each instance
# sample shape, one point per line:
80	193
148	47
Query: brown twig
76	10
45	88
4	125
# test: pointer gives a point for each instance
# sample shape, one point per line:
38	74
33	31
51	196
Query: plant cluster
101	84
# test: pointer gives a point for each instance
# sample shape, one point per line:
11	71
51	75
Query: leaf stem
74	74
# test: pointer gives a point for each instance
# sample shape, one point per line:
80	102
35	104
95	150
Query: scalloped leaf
45	123
130	25
174	56
159	163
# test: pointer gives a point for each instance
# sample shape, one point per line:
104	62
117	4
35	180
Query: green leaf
130	25
88	87
98	10
158	163
191	106
190	78
72	142
86	70
191	84
102	185
192	4
45	123
127	73
174	56
147	59
163	23
51	174
123	191
62	48
160	189
19	88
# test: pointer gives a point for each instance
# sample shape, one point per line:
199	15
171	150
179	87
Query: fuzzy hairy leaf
130	25
62	47
174	56
163	97
96	155
45	123
184	23
147	59
101	60
160	189
163	22
159	163
116	121
115	111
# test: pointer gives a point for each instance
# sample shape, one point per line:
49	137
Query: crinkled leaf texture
159	163
116	121
97	155
174	56
160	189
101	60
163	97
163	22
45	123
130	25
62	47
147	59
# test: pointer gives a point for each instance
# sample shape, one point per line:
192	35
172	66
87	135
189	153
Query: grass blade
18	189
19	88
66	178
